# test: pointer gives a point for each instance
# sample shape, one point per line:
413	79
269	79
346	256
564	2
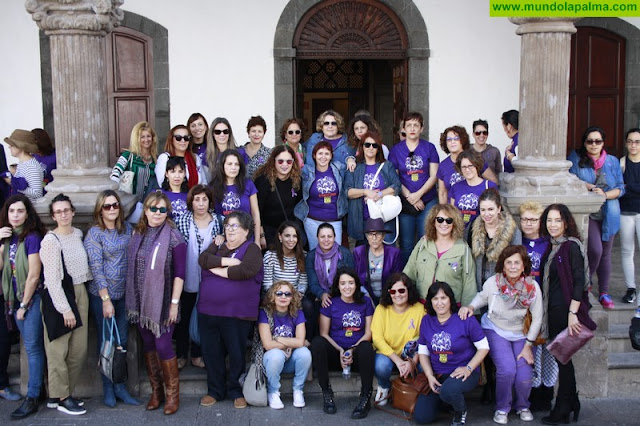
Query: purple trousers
511	375
162	344
599	254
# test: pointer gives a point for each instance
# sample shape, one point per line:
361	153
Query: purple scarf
145	300
326	277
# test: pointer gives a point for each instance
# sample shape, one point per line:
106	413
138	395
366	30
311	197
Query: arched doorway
351	55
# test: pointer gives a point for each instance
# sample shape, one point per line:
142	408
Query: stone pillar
541	170
76	29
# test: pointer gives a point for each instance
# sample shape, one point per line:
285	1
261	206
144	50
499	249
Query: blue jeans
383	368
412	229
95	305
32	331
452	392
275	363
311	229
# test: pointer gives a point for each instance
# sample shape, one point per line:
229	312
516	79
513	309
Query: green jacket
456	267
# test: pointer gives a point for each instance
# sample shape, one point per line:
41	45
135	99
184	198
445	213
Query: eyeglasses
633	142
281	161
114	206
595	141
455	138
530	220
467	167
371	145
393	291
284	293
330	123
481	132
374	234
155	209
218	131
62	211
441	219
179	138
231	226
294	132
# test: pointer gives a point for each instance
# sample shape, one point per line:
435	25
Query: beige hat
24	140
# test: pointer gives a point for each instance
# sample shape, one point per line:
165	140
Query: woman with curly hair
330	128
281	324
291	135
256	154
278	183
219	139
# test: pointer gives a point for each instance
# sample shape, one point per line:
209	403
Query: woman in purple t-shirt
284	342
464	195
233	191
345	339
175	186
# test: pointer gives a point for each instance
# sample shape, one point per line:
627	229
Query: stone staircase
623	361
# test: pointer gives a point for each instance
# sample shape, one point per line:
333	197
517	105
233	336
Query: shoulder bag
254	387
126	179
113	357
404	394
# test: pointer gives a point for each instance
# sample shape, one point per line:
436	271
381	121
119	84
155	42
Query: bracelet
105	298
469	368
574	313
175	301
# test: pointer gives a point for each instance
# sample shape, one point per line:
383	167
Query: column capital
92	17
544	25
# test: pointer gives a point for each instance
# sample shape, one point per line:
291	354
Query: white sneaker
500	417
274	401
382	396
525	415
298	399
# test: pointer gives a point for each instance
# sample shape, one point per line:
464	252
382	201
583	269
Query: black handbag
113	357
634	333
407	207
53	320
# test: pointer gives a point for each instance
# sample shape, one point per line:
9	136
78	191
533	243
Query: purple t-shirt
31	246
466	198
378	185
348	320
178	203
232	201
447	173
414	169
450	344
536	249
323	197
333	142
283	325
48	163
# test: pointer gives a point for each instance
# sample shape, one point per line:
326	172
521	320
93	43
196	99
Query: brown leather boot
154	370
172	384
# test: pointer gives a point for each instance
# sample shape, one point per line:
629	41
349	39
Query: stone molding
96	17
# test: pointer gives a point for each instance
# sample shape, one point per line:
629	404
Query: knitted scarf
145	300
21	270
333	256
518	295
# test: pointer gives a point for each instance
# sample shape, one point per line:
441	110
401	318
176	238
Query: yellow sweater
391	331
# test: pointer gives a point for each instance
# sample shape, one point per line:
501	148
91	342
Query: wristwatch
175	301
105	297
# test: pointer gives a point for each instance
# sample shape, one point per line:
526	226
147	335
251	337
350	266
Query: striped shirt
33	173
143	172
273	273
107	252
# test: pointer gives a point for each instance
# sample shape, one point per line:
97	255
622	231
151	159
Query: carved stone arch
405	16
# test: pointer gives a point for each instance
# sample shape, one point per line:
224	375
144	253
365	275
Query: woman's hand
351	164
413	198
232	261
5	232
107	309
405	368
326	300
173	313
461	373
465	312
346	361
434	384
263	242
574	325
219	240
508	149
69	319
20	314
419	205
526	353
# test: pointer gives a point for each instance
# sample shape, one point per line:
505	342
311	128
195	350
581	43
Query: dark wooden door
129	86
596	90
399	93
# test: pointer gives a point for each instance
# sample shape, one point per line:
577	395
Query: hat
24	140
374	225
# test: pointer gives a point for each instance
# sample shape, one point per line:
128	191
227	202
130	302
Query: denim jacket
341	152
613	176
301	211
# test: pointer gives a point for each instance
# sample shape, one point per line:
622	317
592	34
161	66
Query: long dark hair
412	290
219	183
299	253
433	290
31	224
586	161
172	163
334	291
570	227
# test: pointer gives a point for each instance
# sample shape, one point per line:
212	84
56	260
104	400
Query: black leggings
326	356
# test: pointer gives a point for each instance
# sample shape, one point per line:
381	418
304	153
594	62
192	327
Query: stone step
619	338
623	374
622	313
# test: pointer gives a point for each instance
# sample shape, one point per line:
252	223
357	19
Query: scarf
599	162
21	270
145	300
518	295
333	256
190	161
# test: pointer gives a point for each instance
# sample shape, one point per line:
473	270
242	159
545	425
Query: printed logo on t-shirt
230	202
351	321
535	259
455	178
283	331
369	183
414	164
178	208
468	204
375	266
441	345
327	188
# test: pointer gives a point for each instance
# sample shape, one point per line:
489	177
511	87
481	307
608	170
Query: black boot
29	406
364	405
545	398
459	418
328	405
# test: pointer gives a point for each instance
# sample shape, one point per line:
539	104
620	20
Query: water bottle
346	371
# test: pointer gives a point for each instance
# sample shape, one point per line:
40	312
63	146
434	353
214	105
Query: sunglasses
179	138
594	141
218	131
481	132
441	219
284	293
455	138
294	132
114	206
400	290
371	145
330	123
155	209
281	161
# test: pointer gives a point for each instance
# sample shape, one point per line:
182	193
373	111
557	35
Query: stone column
541	170
77	29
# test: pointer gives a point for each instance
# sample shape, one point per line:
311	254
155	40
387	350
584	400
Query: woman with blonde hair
330	127
140	158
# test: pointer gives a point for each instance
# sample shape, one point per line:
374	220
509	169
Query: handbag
405	392
254	387
527	325
634	333
113	357
564	346
407	207
53	320
126	179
